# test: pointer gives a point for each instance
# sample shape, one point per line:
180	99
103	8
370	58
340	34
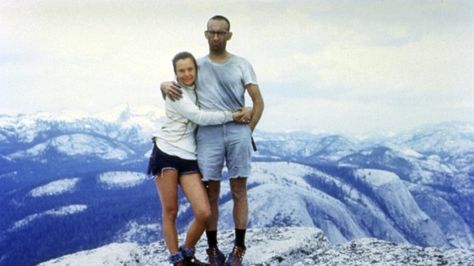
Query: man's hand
171	89
242	115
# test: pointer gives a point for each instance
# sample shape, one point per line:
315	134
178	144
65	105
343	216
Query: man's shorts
229	142
160	161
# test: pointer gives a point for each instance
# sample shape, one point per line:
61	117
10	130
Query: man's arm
171	89
257	100
189	110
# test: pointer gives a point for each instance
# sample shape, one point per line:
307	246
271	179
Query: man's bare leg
238	187
215	256
213	192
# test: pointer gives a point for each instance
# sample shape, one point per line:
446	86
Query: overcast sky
324	66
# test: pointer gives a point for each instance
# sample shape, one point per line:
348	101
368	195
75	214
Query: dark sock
211	238
240	237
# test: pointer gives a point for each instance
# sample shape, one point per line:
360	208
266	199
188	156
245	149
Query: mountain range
71	182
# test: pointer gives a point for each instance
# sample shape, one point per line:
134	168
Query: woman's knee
202	214
170	213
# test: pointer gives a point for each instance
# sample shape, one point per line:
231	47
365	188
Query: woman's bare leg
196	194
167	185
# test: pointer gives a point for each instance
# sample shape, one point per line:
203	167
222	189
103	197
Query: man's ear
205	34
229	36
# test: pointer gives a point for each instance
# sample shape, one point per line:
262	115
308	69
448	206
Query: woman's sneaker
215	256
235	257
177	259
190	259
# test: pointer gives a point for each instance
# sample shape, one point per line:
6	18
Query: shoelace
238	252
213	254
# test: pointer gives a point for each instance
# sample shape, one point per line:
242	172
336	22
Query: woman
173	160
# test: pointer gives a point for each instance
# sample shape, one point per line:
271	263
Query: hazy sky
346	66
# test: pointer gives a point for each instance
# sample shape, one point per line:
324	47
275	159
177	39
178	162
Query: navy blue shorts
160	160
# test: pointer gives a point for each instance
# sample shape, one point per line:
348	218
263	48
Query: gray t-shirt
221	87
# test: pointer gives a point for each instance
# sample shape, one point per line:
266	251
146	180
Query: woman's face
185	71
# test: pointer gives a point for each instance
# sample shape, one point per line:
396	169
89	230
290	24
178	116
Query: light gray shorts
229	142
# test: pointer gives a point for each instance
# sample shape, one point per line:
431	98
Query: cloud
392	53
361	62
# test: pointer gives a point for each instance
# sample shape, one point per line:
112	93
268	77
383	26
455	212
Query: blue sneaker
190	258
177	259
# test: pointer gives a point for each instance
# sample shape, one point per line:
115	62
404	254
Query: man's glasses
219	33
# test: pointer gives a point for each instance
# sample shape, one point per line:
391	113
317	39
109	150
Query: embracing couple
210	92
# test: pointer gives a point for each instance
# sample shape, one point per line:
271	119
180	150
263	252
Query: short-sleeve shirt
221	87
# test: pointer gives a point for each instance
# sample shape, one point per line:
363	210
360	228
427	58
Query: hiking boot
215	256
193	261
235	257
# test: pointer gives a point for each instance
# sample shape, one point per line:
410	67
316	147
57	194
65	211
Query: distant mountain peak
124	112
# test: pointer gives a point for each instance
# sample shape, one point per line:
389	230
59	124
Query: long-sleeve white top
177	134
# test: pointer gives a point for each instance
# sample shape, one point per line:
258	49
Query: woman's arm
189	110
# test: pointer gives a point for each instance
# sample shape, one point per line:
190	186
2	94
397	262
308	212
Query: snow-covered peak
26	128
55	188
288	199
399	202
77	145
445	137
64	115
376	177
410	153
117	113
123	113
146	118
114	113
280	173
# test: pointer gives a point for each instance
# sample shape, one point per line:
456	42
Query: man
223	79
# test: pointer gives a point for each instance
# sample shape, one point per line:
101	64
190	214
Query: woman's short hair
183	55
